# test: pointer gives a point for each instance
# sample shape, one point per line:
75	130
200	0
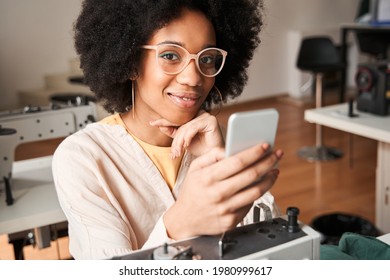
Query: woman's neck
141	128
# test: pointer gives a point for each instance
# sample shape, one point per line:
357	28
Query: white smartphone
246	129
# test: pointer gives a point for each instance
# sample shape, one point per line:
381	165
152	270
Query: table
345	30
370	126
35	198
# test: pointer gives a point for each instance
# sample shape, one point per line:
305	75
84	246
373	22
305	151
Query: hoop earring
221	98
133	97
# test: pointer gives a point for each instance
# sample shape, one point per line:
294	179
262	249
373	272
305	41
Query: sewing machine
278	238
30	200
35	124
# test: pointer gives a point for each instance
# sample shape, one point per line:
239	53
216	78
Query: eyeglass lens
173	59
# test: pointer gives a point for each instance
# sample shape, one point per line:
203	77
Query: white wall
271	72
36	39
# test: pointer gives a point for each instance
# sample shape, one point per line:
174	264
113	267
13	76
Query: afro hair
109	33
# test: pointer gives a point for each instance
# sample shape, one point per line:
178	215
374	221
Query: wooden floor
345	185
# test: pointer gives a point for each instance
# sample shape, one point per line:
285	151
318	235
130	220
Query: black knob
292	215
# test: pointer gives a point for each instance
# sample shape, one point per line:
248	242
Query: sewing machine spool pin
292	222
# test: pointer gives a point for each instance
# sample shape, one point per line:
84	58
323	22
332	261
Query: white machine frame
37	126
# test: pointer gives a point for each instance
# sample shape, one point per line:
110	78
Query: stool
319	55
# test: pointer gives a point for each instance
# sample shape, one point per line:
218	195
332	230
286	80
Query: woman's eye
207	59
169	56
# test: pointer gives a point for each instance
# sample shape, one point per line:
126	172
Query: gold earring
132	97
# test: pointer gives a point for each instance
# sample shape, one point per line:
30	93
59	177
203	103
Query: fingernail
279	153
175	153
265	146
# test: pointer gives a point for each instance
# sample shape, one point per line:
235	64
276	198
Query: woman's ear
133	75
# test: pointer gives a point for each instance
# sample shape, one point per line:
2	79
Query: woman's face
175	97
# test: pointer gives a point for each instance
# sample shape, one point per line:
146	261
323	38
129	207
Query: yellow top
161	156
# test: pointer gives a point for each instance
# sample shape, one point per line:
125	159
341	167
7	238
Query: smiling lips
184	101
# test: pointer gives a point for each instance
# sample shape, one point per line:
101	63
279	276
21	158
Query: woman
155	169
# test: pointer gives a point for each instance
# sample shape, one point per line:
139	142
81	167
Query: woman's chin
182	118
181	121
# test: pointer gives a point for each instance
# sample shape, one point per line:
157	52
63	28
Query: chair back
318	54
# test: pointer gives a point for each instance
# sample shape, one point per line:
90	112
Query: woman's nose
190	75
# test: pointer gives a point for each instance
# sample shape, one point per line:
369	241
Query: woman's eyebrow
183	45
171	42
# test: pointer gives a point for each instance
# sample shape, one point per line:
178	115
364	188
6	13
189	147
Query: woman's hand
218	192
198	136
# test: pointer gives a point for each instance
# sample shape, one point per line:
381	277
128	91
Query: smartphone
246	129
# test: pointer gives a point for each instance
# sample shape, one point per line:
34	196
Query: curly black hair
109	33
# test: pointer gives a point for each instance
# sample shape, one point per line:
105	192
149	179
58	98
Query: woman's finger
215	155
232	165
249	194
249	176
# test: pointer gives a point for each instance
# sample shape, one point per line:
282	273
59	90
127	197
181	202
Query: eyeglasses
174	58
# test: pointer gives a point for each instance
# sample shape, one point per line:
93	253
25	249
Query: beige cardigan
112	194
